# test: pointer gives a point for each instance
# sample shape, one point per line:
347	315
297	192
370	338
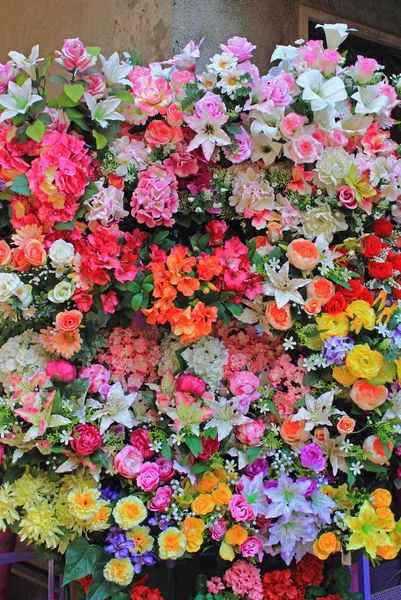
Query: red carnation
383	227
371	246
380	270
336	304
86	440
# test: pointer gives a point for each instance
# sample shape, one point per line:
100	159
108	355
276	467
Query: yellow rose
343	376
222	495
236	535
207	483
330	325
327	544
362	315
203	504
364	362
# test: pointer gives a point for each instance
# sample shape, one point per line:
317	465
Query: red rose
353	293
397	293
86	440
336	304
216	230
83	301
383	227
380	270
141	441
371	246
209	447
367	296
396	262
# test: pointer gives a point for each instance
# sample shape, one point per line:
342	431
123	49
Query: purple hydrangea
335	349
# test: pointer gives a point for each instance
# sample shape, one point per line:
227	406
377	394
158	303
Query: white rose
332	168
62	292
322	221
61	253
9	283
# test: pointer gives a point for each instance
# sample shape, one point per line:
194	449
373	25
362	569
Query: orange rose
303	254
374	445
321	434
346	425
279	318
312	306
35	253
68	320
367	396
203	504
320	288
20	262
326	544
207	483
381	498
293	431
222	495
387	552
193	529
5	253
236	535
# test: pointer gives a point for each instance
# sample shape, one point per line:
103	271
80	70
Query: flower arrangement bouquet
200	285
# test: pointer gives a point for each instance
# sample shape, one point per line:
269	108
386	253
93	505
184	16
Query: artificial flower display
200	296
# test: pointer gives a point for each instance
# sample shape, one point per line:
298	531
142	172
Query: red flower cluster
287	585
143	592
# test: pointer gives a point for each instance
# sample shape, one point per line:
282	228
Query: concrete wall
270	22
112	24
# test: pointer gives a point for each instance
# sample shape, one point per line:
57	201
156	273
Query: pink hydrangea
156	199
245	580
214	585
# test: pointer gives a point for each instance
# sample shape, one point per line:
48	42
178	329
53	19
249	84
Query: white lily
116	409
266	123
369	100
27	64
17	100
264	148
115	71
320	91
208	132
335	34
316	411
285	53
283	287
226	416
103	111
355	124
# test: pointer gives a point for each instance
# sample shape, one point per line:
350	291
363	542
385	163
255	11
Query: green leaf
21	185
136	301
93	50
73	114
101	140
81	558
166	451
77	388
194	443
74	91
69	226
233	128
273	408
253	453
36	131
58	79
133	287
235	309
45	118
124	95
100	589
372	467
38	107
100	458
311	378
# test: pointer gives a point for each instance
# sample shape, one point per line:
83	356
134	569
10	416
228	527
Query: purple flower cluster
335	349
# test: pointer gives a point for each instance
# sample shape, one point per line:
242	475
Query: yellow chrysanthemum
142	539
83	503
8	513
130	512
172	543
40	525
79	480
101	518
27	488
119	570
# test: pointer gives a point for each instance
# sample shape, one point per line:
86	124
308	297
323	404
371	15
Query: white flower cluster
23	356
206	358
169	361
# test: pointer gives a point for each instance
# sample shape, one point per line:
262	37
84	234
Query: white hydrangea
170	344
207	358
23	356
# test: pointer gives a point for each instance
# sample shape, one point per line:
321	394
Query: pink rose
191	384
73	55
243	382
161	500
166	469
149	477
243	147
251	547
97	374
250	433
347	197
291	124
141	441
213	103
329	61
97	85
364	69
175	116
304	149
240	509
86	440
240	47
61	370
219	529
128	462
